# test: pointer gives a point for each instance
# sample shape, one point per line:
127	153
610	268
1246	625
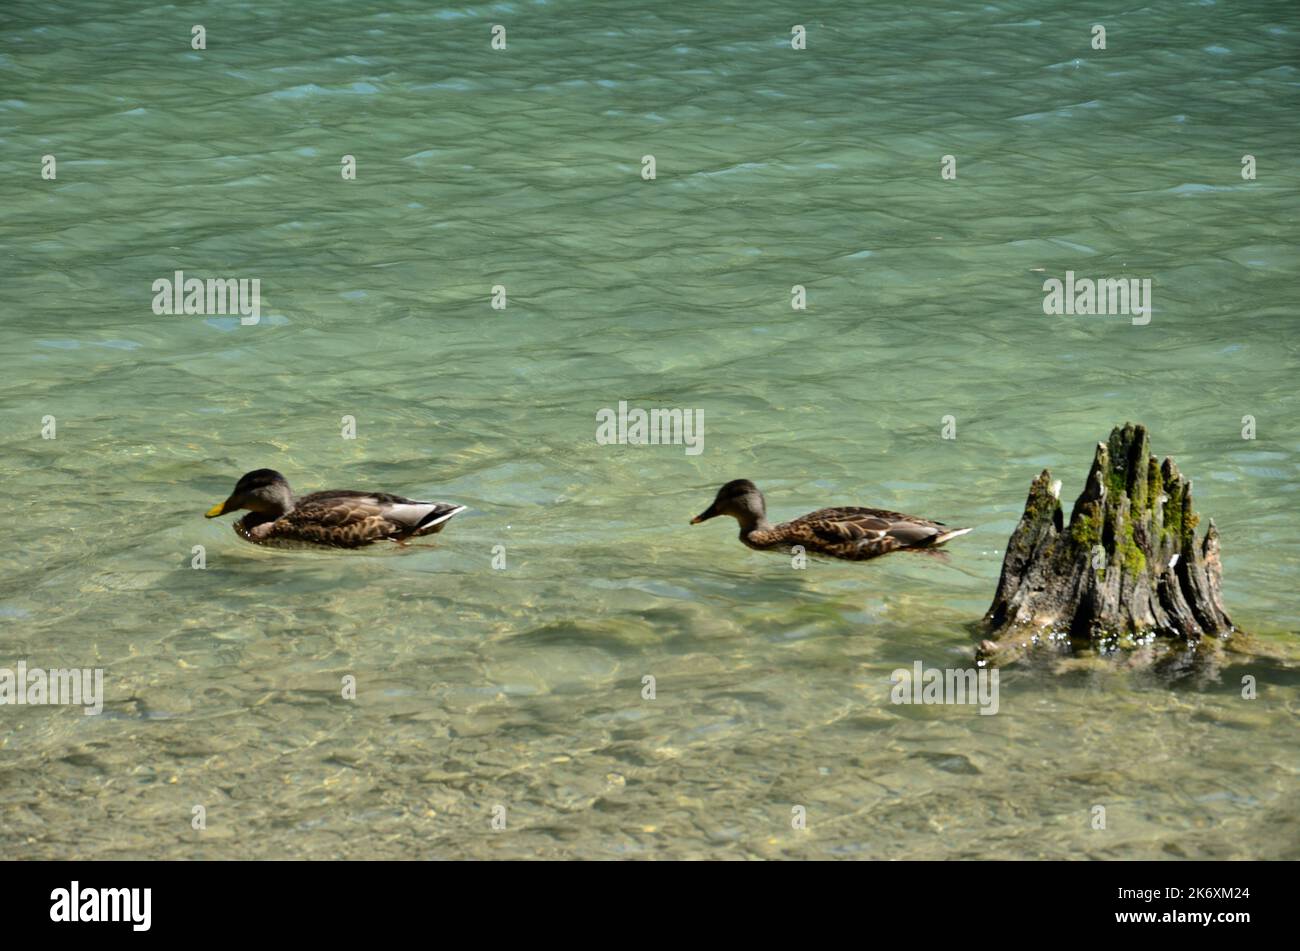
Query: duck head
741	500
264	491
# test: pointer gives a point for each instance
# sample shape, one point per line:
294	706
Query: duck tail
432	523
949	535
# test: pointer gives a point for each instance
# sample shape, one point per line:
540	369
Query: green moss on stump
1128	552
1086	530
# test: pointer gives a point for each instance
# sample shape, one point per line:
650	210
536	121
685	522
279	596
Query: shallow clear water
521	687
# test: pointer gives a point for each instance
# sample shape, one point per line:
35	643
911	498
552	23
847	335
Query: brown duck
855	534
339	518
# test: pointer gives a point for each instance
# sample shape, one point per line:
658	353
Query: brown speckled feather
342	519
851	533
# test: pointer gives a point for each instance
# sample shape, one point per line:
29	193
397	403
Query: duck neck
752	522
279	502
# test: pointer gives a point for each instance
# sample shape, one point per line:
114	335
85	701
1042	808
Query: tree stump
1127	573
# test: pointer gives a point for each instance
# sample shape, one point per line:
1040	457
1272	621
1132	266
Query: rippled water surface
522	687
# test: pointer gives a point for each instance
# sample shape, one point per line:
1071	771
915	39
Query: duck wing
853	532
349	519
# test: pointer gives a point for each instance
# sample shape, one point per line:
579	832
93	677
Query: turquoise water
521	687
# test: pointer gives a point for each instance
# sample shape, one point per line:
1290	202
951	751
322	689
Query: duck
849	533
337	518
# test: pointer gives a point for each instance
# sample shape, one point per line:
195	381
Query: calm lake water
480	688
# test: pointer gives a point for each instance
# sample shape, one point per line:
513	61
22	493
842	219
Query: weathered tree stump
1126	573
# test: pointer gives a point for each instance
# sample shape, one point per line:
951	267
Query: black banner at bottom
333	900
